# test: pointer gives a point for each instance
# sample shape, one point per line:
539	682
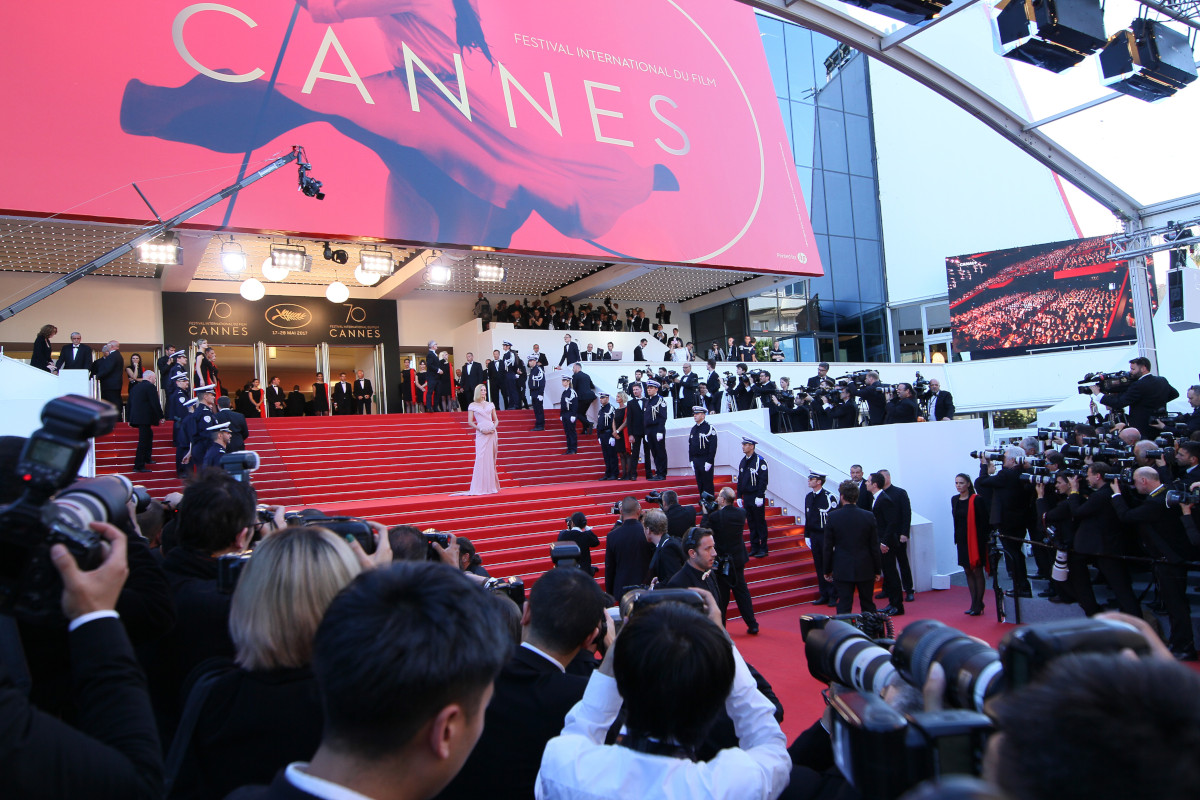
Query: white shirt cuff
84	619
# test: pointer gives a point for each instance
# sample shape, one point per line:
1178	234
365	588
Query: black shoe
141	469
832	602
880	595
1048	593
974	612
538	428
1058	598
753	631
822	600
1185	655
761	554
1022	593
892	611
151	461
908	597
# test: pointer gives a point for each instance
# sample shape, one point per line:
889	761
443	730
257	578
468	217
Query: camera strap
654	747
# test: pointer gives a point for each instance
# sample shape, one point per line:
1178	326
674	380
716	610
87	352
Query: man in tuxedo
494	370
433	376
581	382
472	376
853	555
239	432
364	393
668	552
714	386
610	354
404	661
689	391
822	372
166	365
641	323
1099	535
864	494
904	525
727	522
110	371
570	352
343	394
887	523
639	352
75	355
1146	397
276	400
675	340
541	357
144	413
679	518
1193	419
590	354
626	552
941	404
533	693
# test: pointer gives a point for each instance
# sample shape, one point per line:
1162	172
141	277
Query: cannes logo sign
288	315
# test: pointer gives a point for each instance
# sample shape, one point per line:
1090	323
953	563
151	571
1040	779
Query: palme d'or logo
288	315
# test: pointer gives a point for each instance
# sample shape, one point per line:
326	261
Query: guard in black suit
752	489
145	412
1161	531
654	418
702	450
626	552
941	404
852	551
75	355
537	392
343	394
570	352
904	525
568	410
581	382
887	523
605	422
874	397
727	522
1147	397
864	494
1006	512
364	393
239	432
817	504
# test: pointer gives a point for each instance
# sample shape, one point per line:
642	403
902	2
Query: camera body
30	586
1109	382
513	588
240	464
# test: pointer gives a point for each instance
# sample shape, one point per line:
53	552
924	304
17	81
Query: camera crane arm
154	231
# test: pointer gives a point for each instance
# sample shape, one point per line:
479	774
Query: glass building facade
824	96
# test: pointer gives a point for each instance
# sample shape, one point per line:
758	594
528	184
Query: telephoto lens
840	653
972	668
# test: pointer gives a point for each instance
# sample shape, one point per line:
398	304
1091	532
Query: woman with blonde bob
265	703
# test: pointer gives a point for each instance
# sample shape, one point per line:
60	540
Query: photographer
872	393
1005	497
1187	460
1146	397
673	670
668	556
468	558
626	551
697	571
727	522
1161	531
1058	526
113	749
843	412
579	532
739	386
679	518
1098	534
1193	419
903	407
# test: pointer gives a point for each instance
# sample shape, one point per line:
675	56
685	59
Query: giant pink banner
643	130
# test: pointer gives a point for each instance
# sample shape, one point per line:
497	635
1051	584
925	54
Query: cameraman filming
1146	397
903	407
726	522
1008	512
872	393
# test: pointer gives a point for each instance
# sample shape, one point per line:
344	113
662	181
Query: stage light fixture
1148	61
489	270
1052	34
378	262
164	250
291	257
252	289
908	11
336	256
337	292
273	272
366	278
439	274
233	257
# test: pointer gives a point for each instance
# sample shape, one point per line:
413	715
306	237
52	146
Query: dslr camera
57	509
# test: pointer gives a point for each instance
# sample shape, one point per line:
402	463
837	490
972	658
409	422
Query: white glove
612	442
572	419
707	466
808	542
740	503
660	437
758	501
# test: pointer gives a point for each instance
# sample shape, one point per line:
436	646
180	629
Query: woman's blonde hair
481	389
282	595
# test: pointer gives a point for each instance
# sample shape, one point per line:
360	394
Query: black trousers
572	436
145	445
736	583
1079	583
905	570
362	406
612	468
845	593
891	579
825	588
647	454
539	412
510	392
1042	556
1172	587
704	477
756	521
1116	573
1016	559
658	449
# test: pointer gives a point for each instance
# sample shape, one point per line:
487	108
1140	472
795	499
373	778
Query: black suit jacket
887	520
472	376
280	789
570	354
638	355
144	407
679	519
343	397
583	386
238	429
42	356
1146	396
112	751
876	402
363	390
864	496
586	539
110	371
1004	490
903	508
903	410
944	408
1160	528
727	524
852	544
668	558
530	703
81	360
626	558
1097	529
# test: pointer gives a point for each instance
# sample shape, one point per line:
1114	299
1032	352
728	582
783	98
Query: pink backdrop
693	167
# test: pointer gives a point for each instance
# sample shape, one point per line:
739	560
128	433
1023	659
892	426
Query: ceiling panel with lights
56	247
676	284
520	275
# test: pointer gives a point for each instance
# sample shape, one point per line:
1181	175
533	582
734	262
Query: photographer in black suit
904	407
668	552
853	556
941	404
1146	397
679	518
1098	534
727	522
875	399
533	694
1007	512
626	551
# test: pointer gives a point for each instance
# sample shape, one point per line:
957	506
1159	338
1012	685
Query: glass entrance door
350	360
296	367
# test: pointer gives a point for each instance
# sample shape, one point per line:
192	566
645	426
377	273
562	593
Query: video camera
513	588
708	502
1178	497
30	586
240	464
1109	382
883	752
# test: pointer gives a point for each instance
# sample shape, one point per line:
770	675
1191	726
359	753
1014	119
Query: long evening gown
483	477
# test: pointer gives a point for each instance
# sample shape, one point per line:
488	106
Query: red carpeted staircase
412	469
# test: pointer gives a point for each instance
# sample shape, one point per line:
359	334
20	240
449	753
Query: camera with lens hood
55	508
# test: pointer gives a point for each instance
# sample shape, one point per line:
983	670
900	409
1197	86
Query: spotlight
1052	34
337	292
366	278
233	257
378	262
291	257
1148	61
489	270
164	250
272	272
336	256
252	289
909	11
439	275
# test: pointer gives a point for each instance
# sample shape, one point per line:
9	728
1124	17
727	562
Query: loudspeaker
1052	34
1148	61
1183	298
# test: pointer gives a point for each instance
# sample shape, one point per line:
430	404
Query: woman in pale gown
481	415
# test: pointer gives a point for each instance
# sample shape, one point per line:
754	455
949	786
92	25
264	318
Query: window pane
822	287
858	145
866	219
822	46
806	349
771	33
803	133
851	347
840	212
854	84
844	266
870	271
817	206
805	175
801	81
833	140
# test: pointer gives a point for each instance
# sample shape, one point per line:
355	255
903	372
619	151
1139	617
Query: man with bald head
1161	530
110	372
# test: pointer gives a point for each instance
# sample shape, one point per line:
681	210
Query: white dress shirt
577	765
319	787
